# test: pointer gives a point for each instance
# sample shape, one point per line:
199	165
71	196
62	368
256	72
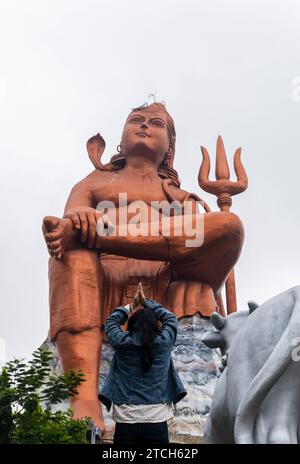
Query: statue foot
89	408
58	234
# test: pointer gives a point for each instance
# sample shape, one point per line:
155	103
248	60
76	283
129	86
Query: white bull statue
257	397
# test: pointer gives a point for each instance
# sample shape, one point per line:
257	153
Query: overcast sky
70	68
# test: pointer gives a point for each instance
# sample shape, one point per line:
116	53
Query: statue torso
108	185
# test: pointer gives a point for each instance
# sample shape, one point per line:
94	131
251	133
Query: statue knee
231	227
79	348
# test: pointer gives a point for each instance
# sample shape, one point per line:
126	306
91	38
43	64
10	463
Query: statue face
146	132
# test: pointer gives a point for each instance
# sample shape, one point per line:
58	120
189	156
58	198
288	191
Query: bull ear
252	305
217	321
213	339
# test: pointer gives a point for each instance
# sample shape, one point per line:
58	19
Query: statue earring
169	153
119	148
166	157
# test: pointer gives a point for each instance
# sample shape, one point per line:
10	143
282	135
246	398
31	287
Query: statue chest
125	191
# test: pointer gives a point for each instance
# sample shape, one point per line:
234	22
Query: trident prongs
223	184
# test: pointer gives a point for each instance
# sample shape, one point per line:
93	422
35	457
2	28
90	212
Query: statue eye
158	122
136	119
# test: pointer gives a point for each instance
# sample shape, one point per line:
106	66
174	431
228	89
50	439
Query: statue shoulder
177	193
91	179
174	193
95	175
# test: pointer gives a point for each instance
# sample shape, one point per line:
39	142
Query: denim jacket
126	383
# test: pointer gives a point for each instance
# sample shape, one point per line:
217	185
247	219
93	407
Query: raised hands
139	298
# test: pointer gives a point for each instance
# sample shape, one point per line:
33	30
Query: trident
224	189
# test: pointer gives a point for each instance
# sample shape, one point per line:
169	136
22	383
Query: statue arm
80	196
80	209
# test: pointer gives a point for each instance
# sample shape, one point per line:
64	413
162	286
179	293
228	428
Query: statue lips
143	134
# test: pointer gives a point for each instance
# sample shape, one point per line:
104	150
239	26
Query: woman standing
142	384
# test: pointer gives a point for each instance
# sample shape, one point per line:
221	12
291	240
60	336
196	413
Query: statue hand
85	219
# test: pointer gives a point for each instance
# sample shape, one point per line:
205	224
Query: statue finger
84	226
56	250
91	230
57	254
52	253
54	245
74	218
51	236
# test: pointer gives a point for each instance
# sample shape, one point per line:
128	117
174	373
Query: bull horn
252	305
213	339
217	320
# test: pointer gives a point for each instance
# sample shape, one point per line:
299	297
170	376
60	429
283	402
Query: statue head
155	121
149	129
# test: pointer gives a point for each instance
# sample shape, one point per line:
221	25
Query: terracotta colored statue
90	274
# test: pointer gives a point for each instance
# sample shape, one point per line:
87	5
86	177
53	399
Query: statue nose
144	126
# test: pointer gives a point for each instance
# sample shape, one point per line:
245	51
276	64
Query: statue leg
211	261
82	351
199	272
208	262
75	324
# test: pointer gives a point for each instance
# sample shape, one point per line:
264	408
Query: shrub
27	393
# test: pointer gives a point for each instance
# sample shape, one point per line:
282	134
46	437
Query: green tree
27	392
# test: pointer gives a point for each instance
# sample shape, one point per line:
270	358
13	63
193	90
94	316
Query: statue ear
213	339
252	305
217	320
95	147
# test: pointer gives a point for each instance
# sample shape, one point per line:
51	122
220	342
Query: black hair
145	321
